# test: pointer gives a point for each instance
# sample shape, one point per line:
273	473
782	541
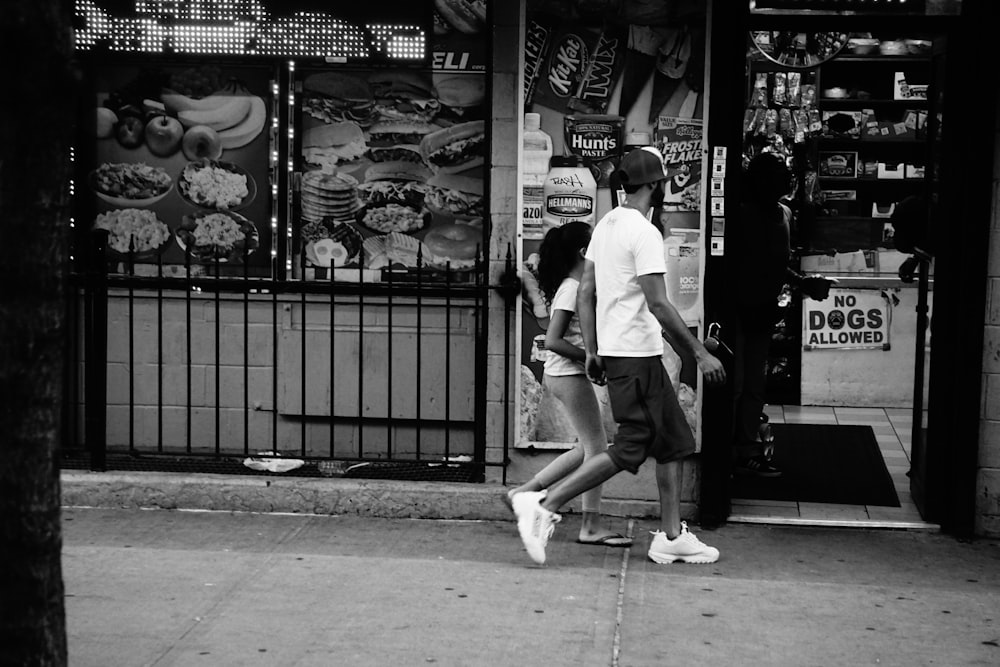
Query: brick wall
166	394
988	482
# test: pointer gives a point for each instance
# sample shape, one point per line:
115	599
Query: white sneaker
685	547
535	524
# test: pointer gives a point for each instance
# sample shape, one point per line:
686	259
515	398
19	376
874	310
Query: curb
336	496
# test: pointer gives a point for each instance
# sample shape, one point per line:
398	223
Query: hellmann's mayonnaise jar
570	192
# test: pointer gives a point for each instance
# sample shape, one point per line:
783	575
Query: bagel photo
454	245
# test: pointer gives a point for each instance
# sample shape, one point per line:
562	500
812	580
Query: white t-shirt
624	246
565	299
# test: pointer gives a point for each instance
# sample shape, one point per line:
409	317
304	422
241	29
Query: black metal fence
205	369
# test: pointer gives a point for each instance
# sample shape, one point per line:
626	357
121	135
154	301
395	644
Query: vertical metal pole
388	379
96	355
274	358
218	366
509	272
187	337
159	353
131	347
361	364
302	351
447	360
246	354
482	365
920	354
333	377
418	394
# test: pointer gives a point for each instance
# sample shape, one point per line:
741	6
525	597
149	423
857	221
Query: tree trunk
37	125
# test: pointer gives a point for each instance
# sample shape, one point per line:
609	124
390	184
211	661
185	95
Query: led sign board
252	28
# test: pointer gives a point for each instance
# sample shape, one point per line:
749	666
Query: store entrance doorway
852	111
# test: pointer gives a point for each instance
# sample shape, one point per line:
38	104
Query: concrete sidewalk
159	587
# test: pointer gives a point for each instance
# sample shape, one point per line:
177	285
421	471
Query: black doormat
823	463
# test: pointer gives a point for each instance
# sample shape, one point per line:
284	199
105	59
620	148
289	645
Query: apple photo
153	119
163	135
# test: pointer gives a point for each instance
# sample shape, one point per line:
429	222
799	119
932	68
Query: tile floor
892	431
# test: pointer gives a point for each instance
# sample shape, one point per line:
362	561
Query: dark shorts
650	420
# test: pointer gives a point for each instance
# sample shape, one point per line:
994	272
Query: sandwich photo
456	148
335	97
455	196
401	183
397	140
332	144
403	95
465	16
461	97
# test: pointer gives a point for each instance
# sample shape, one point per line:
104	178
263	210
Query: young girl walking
560	266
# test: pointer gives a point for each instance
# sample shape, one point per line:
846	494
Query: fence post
96	350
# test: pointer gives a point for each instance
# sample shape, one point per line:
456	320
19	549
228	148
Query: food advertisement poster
602	77
181	174
680	141
390	167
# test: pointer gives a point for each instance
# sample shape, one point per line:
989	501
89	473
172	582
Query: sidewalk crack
620	605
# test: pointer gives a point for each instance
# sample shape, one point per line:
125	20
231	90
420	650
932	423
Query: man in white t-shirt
624	312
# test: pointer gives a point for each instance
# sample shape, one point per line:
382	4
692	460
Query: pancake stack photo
326	195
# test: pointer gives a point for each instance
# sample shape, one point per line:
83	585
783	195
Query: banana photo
186	146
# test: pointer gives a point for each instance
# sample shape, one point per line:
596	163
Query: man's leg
752	393
536	511
668	483
674	542
593	472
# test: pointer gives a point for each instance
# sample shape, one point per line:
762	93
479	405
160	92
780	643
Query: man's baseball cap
641	166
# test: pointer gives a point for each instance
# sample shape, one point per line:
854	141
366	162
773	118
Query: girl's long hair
558	254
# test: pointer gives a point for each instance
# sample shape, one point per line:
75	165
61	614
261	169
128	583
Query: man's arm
586	311
655	290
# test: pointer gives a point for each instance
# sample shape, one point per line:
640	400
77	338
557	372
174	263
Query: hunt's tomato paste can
570	192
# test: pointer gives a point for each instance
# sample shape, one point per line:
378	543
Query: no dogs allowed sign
847	319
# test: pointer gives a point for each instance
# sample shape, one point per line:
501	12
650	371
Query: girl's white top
565	299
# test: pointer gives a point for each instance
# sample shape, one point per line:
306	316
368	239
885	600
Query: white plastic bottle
570	192
536	151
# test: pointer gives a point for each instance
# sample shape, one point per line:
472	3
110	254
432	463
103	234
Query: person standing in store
560	267
624	313
758	271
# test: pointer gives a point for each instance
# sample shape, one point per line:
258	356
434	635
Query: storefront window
262	139
600	83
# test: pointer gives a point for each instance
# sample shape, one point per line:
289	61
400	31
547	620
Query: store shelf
877	58
847	233
840	142
872	181
858	102
850	219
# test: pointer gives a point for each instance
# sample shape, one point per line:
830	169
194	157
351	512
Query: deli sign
847	319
